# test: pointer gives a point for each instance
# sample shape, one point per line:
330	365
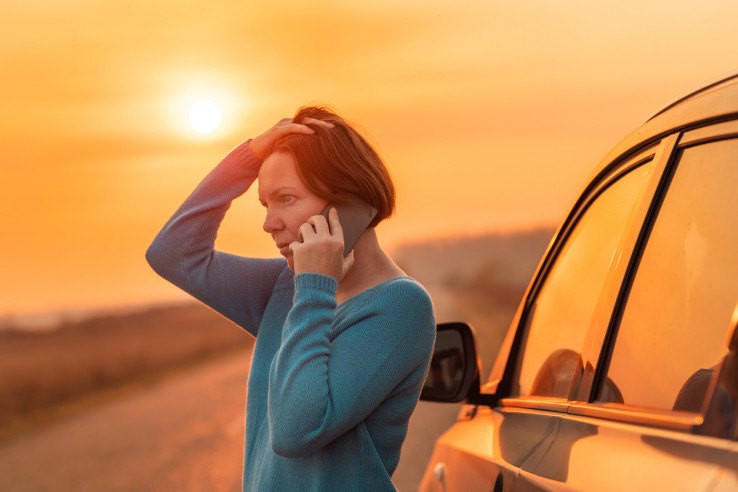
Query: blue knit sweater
331	388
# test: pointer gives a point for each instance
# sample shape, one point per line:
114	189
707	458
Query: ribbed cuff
316	281
243	157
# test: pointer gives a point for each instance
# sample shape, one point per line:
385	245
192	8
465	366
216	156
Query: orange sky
490	114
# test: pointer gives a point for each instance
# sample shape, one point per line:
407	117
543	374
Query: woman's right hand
261	146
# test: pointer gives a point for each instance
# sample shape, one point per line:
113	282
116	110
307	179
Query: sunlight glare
205	116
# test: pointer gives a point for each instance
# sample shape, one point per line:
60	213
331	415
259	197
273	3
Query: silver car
620	368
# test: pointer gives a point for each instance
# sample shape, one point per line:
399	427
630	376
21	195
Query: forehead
278	171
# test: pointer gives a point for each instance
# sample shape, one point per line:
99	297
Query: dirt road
183	434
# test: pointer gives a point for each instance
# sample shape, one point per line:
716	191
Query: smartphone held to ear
355	217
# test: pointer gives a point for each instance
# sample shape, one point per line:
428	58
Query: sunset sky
490	114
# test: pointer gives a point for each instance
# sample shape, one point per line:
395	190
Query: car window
560	315
673	334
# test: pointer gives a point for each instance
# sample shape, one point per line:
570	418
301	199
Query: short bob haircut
338	164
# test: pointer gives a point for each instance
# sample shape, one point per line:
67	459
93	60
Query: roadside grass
48	374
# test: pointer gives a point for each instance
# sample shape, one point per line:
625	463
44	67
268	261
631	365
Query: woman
342	343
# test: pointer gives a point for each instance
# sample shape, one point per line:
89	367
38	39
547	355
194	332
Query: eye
287	198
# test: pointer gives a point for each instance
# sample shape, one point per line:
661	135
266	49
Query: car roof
711	103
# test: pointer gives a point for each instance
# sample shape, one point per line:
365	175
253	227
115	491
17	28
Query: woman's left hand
321	249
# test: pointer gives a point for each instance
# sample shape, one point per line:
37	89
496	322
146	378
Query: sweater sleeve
319	387
183	251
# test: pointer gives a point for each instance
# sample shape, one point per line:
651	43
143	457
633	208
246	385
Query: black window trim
603	362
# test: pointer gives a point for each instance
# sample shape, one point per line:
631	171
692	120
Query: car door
655	409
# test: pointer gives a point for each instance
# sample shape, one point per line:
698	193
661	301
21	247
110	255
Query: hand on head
262	145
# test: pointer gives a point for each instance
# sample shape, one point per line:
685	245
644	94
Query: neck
371	267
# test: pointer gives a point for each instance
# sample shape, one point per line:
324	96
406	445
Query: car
620	368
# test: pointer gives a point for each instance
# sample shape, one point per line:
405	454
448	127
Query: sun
205	116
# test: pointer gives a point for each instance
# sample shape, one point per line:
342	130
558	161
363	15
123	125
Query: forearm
331	374
183	251
188	237
298	380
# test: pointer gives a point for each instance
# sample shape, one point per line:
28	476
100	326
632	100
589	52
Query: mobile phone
355	217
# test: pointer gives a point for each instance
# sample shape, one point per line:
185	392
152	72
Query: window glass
674	332
561	314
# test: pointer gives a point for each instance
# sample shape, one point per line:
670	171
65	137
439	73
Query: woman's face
288	202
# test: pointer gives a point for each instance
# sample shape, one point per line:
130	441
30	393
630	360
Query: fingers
261	146
333	219
320	225
320	249
313	121
330	226
315	226
294	128
288	125
294	245
305	232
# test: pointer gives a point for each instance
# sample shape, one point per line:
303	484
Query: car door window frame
671	419
499	380
657	154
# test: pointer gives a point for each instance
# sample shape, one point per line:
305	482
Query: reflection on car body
620	369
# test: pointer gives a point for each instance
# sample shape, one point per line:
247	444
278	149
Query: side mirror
454	368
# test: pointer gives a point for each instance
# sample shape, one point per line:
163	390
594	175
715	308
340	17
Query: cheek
292	221
300	215
296	220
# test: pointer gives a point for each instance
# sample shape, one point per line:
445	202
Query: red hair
338	164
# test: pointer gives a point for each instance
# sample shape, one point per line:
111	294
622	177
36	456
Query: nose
272	222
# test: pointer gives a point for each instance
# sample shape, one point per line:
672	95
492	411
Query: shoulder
406	289
394	315
407	301
408	316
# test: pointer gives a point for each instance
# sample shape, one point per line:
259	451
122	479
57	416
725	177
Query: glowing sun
205	116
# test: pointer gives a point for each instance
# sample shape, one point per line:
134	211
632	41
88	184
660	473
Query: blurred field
43	373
